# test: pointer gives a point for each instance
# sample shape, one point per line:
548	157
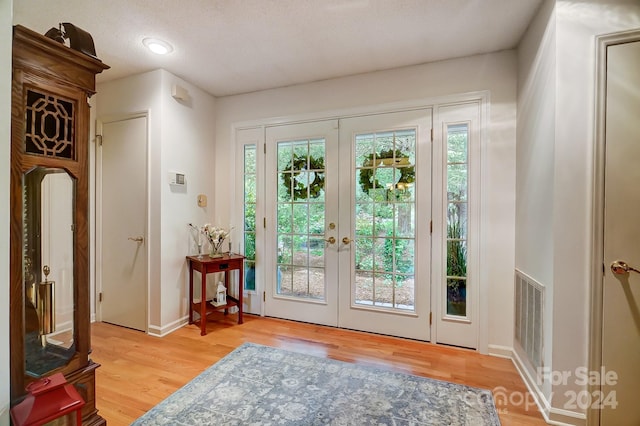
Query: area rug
260	385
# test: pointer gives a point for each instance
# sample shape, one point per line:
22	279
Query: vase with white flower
216	237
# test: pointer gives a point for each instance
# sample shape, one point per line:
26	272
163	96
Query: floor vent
529	307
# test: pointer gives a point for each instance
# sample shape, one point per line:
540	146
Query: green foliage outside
377	248
456	250
457	184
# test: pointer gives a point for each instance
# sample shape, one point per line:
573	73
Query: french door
302	215
348	205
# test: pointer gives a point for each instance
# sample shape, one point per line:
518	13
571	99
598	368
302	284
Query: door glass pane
250	217
457	186
301	218
385	219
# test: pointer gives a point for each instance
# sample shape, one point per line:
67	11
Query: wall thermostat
176	178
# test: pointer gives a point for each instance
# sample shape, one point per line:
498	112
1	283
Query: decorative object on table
78	38
263	385
196	238
216	237
221	295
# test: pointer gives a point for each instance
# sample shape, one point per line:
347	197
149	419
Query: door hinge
432	134
99	139
430	318
100	297
264	222
431	227
264	148
264	296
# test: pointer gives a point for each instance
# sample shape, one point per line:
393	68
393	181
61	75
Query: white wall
188	131
535	161
494	72
181	139
577	22
6	17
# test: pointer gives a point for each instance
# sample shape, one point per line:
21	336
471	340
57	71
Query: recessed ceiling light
157	46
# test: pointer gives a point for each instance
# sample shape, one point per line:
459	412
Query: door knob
620	267
136	239
346	240
331	240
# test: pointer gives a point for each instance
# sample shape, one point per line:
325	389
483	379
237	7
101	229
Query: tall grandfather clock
49	289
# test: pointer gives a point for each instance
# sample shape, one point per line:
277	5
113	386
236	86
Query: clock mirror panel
48	248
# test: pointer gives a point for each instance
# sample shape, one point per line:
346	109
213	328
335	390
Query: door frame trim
484	99
241	141
597	223
98	211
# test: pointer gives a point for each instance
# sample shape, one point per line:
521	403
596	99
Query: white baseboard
565	417
157	331
501	351
4	415
553	416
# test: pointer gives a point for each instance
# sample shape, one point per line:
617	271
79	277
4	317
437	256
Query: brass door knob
331	240
620	267
346	240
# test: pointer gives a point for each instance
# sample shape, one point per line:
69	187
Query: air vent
529	308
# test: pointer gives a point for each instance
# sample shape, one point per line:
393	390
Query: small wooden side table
206	265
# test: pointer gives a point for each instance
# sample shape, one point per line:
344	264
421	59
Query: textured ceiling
235	46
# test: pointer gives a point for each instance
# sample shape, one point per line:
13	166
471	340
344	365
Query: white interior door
57	235
385	212
122	198
302	214
621	291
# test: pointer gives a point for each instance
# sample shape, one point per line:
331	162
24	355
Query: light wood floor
138	371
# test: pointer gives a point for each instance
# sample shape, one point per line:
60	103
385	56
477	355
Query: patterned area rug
260	385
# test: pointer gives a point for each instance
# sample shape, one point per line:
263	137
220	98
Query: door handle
346	240
136	239
331	240
620	267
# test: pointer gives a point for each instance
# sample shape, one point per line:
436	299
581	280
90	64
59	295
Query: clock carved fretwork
50	125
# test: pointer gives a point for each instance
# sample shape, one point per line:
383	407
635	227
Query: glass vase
216	251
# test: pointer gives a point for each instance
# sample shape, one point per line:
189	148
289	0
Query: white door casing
452	328
122	260
251	139
471	331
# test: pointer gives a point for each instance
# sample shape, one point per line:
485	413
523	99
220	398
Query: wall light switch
202	200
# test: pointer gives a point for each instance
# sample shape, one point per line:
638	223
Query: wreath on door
407	173
295	186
